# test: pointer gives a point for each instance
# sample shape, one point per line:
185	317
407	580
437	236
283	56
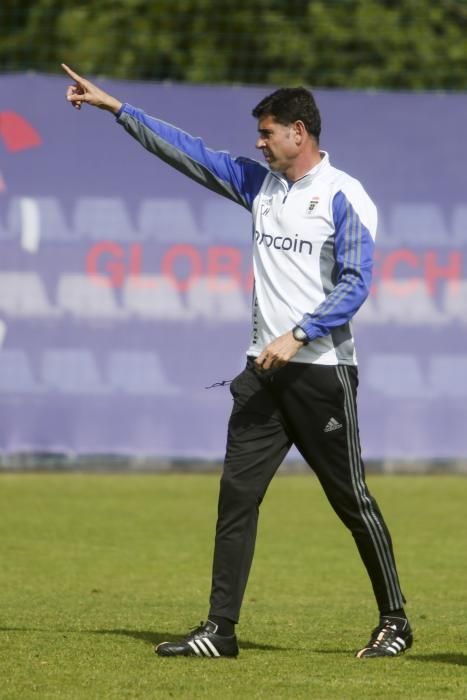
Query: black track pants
313	407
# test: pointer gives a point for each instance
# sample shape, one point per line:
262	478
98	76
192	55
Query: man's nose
259	142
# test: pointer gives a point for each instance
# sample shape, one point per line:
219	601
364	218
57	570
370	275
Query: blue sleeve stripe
343	290
354	260
239	179
352	235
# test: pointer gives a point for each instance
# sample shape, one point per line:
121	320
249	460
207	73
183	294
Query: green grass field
96	569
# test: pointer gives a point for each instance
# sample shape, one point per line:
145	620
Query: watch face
299	334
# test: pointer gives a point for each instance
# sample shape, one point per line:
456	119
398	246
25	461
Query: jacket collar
310	175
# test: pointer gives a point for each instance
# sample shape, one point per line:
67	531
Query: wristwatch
299	334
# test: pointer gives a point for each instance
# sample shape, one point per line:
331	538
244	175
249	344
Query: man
314	229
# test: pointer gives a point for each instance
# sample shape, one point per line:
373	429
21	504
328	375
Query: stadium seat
418	225
455	300
225	222
218	299
23	295
71	372
48	215
103	219
448	375
459	225
383	236
408	303
368	313
139	373
90	297
5	232
155	296
396	376
169	220
15	373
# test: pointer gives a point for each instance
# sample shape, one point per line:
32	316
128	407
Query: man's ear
299	131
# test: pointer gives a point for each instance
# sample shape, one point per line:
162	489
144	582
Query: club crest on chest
312	204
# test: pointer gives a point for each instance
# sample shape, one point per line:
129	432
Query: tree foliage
387	44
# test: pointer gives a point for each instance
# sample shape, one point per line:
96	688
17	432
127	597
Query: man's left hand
279	352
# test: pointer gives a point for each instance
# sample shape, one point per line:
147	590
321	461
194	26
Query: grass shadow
155	638
341	650
445	658
147	636
244	644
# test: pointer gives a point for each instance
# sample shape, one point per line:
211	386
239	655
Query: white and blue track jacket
313	239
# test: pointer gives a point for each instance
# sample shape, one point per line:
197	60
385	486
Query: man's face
277	143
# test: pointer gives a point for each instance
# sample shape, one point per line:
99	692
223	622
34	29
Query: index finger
71	73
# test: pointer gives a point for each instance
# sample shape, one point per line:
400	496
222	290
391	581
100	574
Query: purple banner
125	288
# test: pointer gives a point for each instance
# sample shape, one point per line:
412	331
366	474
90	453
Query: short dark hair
288	105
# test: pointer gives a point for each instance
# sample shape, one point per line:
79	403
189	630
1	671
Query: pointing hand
83	91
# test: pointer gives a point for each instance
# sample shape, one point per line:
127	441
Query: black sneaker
392	637
202	641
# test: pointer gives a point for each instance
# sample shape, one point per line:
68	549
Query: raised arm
238	179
